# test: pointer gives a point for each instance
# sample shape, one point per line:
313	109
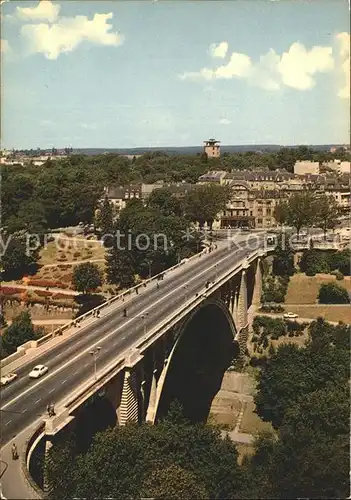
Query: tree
327	211
312	454
105	218
172	482
283	260
164	200
293	372
162	461
17	258
301	210
341	261
281	212
20	331
331	293
314	261
205	202
86	277
120	267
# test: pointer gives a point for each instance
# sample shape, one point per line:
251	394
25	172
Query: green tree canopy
129	462
86	277
205	202
19	255
294	371
301	210
327	212
332	293
20	331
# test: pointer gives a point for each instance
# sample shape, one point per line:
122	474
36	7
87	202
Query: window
259	221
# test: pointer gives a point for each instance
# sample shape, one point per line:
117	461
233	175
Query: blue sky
174	73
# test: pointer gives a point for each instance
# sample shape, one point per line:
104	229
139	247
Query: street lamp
95	353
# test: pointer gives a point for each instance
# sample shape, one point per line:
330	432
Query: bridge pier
151	410
242	316
257	292
129	408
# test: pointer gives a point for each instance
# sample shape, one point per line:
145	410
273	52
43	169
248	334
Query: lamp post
95	353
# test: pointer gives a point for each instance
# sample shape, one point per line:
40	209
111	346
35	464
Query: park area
301	298
49	292
304	289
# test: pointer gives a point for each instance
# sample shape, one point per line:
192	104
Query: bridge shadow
204	352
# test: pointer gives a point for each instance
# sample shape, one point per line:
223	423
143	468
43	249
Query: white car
38	371
290	316
7	379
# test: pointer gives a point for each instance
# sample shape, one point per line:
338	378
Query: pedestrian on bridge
14	452
157	286
125	312
98	312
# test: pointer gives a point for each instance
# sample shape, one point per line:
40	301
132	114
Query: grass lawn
304	289
251	422
62	251
329	313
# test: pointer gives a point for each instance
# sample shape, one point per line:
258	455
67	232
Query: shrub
340	261
331	293
43	293
313	262
8	290
63	267
339	276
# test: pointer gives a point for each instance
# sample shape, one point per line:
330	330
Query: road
70	362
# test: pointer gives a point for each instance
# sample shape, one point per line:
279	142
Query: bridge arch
195	367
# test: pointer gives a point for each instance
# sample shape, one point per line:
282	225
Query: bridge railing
115	298
91	386
191	303
21	350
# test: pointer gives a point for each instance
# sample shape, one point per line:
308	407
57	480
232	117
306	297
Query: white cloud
295	68
239	65
65	35
4	46
344	58
44	11
218	50
224	121
298	66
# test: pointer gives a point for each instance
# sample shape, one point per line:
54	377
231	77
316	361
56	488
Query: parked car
38	371
7	379
290	315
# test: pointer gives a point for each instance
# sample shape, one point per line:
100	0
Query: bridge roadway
70	362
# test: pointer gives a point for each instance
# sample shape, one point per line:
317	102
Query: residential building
341	167
256	194
215	177
306	167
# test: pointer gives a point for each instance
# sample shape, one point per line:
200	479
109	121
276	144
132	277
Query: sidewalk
66	291
13	483
32	353
239	437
